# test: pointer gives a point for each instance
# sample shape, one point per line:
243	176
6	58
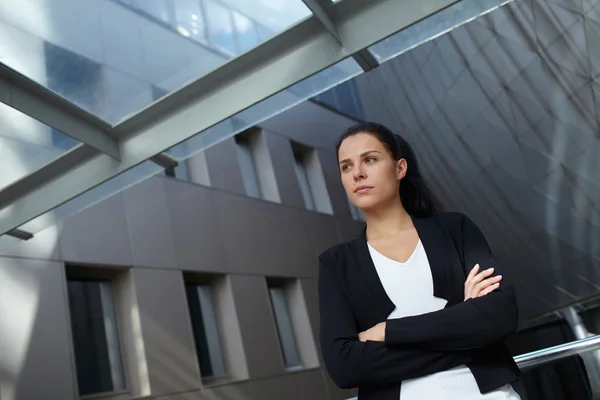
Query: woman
405	311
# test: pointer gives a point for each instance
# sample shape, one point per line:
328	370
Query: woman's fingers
489	289
479	278
477	282
486	284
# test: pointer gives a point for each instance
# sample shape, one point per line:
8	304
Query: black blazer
352	299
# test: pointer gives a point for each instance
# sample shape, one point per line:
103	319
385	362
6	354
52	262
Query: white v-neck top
410	287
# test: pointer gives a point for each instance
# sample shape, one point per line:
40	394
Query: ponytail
416	197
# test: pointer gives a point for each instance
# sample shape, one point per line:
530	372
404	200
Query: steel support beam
324	12
320	9
277	64
28	97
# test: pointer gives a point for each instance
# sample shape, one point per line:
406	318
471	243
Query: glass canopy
142	64
27	145
117	56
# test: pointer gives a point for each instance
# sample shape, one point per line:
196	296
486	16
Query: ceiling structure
106	138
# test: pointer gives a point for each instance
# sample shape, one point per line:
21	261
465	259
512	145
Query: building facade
197	287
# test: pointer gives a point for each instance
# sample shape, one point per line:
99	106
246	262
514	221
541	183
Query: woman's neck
387	221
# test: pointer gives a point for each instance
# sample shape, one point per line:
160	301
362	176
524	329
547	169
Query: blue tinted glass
189	18
357	99
263	32
327	98
220	27
155	8
246	31
62	141
77	78
346	100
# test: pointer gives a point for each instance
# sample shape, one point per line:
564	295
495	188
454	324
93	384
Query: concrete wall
154	232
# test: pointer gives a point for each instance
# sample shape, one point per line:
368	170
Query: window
248	166
95	336
205	329
285	329
310	179
300	165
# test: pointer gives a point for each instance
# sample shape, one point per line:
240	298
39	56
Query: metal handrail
549	354
561	351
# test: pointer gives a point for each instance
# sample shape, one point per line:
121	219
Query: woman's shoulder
448	218
336	254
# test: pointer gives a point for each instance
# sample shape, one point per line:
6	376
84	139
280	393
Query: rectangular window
96	342
310	179
205	329
248	166
285	329
300	165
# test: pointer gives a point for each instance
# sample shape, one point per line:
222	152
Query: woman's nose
359	173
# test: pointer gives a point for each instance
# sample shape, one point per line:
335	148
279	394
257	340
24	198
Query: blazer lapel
434	242
371	278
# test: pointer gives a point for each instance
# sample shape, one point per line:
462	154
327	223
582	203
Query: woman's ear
401	168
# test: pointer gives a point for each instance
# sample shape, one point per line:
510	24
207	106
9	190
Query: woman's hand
480	284
374	334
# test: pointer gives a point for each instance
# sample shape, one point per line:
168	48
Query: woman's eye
345	167
370	159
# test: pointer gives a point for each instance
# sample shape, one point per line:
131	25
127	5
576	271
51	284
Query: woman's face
369	173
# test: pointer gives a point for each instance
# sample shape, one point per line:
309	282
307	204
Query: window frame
196	280
283	285
96	274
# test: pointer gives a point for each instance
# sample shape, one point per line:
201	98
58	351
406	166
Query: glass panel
112	335
190	19
285	328
246	31
304	184
95	338
27	145
209	319
107	59
220	26
206	331
248	167
254	115
436	25
155	8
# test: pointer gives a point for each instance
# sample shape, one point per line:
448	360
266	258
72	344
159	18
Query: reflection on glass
190	19
256	114
246	31
220	26
433	26
156	8
27	145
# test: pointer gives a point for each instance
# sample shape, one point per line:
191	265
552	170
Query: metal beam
19	234
277	64
40	103
164	161
366	60
320	9
324	12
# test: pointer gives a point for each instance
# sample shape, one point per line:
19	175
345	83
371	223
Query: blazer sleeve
352	363
472	324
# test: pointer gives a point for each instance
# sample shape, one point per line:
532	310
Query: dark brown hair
415	195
